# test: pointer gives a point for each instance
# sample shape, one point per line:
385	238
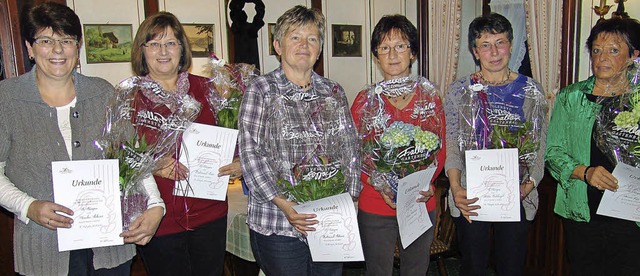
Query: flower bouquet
522	137
618	123
228	82
143	123
393	150
313	178
508	129
401	150
314	151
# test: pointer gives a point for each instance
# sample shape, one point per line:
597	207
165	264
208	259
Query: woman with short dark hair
400	99
54	113
576	157
478	107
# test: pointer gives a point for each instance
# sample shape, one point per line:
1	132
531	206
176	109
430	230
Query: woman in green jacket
597	245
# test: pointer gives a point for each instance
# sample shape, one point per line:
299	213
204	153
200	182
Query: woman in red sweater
191	238
401	122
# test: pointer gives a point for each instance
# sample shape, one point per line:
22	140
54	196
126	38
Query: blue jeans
283	256
81	264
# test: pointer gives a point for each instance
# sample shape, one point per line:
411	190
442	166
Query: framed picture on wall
106	43
346	40
272	29
201	38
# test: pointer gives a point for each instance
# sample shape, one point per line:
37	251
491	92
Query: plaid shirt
280	125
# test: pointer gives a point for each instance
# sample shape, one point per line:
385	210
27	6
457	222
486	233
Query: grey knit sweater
29	141
535	105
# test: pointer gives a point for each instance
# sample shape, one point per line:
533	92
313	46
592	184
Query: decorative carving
602	10
620	10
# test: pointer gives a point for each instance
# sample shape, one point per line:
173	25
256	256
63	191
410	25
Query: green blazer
569	145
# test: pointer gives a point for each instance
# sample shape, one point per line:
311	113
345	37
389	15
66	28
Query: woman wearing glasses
507	100
191	237
398	99
54	113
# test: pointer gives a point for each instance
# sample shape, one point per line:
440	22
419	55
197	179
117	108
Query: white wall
353	73
108	12
206	12
587	19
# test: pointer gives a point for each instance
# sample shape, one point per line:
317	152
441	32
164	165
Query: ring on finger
49	220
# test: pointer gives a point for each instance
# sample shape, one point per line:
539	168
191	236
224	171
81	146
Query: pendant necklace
495	83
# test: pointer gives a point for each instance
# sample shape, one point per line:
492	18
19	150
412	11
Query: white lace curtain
543	24
444	41
544	31
513	10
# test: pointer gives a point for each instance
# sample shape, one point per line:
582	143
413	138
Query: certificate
204	150
337	236
624	203
493	177
413	218
91	190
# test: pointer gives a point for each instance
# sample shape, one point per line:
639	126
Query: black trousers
197	252
603	246
509	243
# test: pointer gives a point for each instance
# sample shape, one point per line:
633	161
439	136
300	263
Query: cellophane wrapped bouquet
228	82
524	134
315	152
143	123
618	123
395	147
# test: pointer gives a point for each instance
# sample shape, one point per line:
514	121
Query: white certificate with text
493	177
337	236
625	202
90	188
204	150
413	218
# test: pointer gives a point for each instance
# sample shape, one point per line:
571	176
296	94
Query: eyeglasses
500	45
49	42
156	46
400	48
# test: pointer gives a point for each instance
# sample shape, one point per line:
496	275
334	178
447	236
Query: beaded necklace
495	83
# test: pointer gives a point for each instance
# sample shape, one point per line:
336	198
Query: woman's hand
143	228
232	170
301	222
602	179
460	195
168	167
526	187
425	196
387	199
43	212
464	204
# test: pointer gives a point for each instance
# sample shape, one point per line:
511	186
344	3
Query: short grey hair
297	17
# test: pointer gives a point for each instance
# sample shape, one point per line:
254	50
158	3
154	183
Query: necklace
304	87
495	83
612	90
